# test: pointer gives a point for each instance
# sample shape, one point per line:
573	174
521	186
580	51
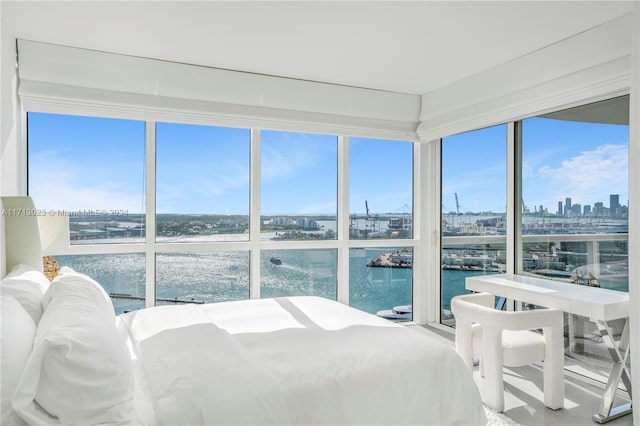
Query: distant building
307	223
598	209
586	210
559	212
282	220
576	210
614	205
567	206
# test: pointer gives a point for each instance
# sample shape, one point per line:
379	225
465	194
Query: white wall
586	67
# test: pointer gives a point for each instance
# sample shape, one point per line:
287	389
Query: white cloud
590	176
56	183
290	155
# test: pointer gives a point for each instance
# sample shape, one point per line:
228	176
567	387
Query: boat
276	261
398	313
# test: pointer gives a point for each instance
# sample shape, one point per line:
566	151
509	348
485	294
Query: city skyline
537	209
587	160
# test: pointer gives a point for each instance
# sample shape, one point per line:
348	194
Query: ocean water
224	276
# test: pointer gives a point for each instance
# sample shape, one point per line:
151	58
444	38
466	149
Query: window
381	208
202	277
203	243
202	183
298	186
575	192
574	216
91	170
474	176
380	189
309	272
381	281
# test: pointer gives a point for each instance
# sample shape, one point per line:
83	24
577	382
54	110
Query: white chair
503	338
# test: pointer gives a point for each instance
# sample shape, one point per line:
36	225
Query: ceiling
410	47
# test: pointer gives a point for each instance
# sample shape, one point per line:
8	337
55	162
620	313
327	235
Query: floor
523	395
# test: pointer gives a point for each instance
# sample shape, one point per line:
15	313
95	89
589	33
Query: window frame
514	192
150	247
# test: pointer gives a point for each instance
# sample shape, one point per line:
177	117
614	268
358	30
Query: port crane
371	221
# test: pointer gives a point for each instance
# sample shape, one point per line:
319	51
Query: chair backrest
478	308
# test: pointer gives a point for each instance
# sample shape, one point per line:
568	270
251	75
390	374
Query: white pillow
27	285
16	340
79	371
69	281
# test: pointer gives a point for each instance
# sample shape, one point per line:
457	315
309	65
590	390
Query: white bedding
298	361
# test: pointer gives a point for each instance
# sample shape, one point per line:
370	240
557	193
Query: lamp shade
54	234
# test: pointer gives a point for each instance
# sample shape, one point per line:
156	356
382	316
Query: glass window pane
121	275
298	186
381	281
202	183
308	272
202	277
474	179
91	170
575	213
464	257
380	189
575	195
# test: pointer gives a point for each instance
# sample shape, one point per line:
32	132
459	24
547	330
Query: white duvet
292	361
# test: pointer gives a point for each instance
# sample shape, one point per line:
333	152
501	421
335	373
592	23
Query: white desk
599	305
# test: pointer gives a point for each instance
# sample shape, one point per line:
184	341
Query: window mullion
254	215
343	220
514	197
150	214
427	181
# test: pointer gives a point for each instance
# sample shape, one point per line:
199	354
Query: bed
68	359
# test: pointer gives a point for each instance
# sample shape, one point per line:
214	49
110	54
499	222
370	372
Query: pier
159	299
395	259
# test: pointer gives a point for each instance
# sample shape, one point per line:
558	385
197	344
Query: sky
78	163
584	161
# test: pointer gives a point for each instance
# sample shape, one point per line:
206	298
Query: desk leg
619	353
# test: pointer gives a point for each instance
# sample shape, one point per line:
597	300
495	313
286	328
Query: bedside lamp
54	239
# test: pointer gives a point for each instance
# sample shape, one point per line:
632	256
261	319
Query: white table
597	304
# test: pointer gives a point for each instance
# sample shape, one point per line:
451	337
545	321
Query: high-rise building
598	208
567	206
576	210
559	212
586	210
614	205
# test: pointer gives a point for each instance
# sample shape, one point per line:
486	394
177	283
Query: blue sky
80	163
583	161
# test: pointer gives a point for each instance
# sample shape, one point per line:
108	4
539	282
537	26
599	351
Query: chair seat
518	347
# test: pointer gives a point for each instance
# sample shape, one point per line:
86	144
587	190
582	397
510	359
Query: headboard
20	234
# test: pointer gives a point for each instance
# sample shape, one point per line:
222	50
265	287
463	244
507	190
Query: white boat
398	313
